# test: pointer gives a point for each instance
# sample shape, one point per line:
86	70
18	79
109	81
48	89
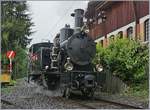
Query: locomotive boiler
69	66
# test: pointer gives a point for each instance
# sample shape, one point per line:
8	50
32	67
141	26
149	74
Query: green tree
21	62
16	29
16	25
126	59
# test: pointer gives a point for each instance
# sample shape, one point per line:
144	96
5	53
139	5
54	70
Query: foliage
13	82
6	90
140	91
20	62
16	24
125	58
16	29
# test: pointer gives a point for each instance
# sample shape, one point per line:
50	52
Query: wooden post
10	64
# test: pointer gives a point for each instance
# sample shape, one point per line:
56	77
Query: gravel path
124	99
29	96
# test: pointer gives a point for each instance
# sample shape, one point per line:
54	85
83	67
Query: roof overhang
103	5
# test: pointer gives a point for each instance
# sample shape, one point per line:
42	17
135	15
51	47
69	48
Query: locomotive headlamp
87	31
46	67
99	67
68	66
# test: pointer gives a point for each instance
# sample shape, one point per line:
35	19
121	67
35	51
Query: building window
112	37
99	20
130	32
120	34
101	43
146	30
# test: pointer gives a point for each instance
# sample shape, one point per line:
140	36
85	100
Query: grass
7	89
139	91
13	82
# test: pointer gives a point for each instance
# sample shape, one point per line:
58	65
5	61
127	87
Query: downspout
135	18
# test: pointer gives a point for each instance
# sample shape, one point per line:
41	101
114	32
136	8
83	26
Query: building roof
103	5
96	5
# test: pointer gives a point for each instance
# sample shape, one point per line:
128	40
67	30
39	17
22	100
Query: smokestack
78	14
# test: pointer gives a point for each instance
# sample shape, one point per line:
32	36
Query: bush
126	59
20	62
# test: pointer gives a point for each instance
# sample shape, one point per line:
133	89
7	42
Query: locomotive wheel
62	91
50	82
44	82
67	93
30	79
88	93
53	84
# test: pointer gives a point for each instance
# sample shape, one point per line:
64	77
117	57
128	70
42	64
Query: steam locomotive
67	62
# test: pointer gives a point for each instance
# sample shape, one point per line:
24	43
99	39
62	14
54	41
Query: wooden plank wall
114	84
118	15
110	84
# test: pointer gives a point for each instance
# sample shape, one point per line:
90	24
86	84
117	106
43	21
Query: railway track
97	103
11	103
43	100
119	104
83	105
104	103
79	100
74	102
89	104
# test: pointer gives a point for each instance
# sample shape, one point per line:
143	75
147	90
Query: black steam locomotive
66	63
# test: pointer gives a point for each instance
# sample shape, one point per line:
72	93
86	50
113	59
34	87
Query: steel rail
118	103
10	103
75	102
100	100
82	104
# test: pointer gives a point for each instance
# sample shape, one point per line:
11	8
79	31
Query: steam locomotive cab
39	54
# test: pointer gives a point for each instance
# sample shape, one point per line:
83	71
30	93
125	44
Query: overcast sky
50	16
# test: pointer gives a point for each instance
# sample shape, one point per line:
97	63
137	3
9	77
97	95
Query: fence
109	83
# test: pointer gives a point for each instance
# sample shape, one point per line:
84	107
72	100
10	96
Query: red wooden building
108	19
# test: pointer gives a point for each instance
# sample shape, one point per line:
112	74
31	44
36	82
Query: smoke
41	90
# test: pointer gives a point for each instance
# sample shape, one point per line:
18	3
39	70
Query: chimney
78	14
